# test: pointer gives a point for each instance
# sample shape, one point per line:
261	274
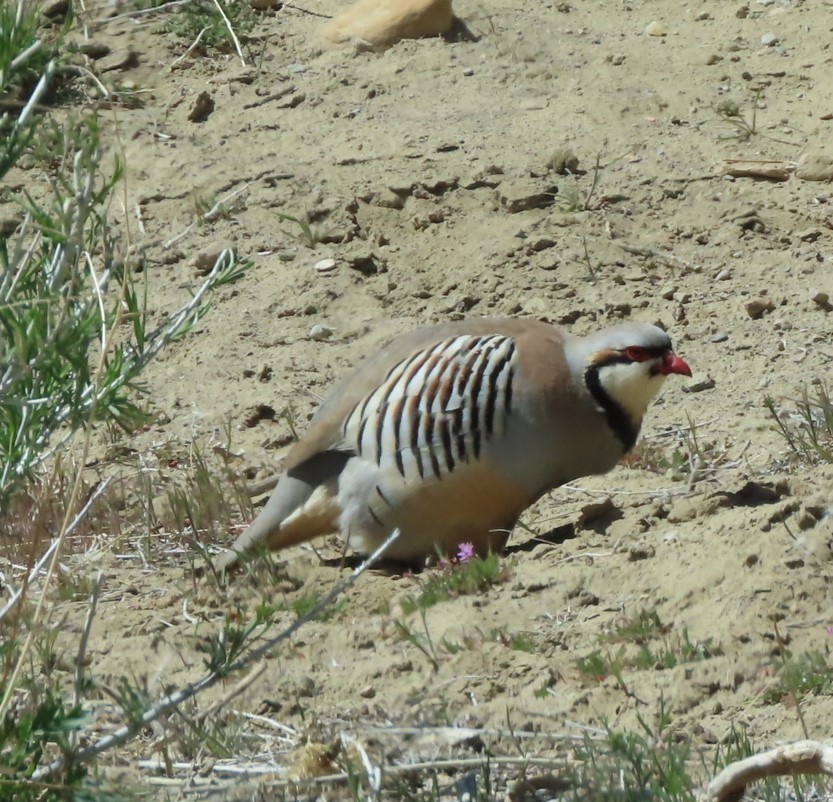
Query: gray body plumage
449	432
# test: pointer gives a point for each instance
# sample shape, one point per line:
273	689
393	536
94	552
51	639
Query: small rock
641	552
698	387
724	275
257	414
742	12
57	9
541	244
597	511
719	338
8	225
95	50
266	5
815	166
292	101
822	299
381	23
319	332
368	692
521	195
809	234
655	29
203	107
758	306
368	264
204	262
806	521
769	40
536	789
388	199
563	161
685	509
325	265
534	103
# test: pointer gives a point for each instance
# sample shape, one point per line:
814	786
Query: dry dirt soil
431	175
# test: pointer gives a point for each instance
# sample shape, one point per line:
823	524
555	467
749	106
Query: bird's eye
637	354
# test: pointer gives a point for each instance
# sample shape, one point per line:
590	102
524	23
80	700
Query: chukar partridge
450	432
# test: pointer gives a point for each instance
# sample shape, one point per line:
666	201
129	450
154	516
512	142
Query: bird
449	432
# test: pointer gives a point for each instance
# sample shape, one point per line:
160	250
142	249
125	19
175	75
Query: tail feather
301	507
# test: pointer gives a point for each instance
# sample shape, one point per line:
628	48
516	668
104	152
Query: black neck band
618	420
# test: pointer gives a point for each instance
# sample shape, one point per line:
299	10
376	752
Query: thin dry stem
169	703
231	32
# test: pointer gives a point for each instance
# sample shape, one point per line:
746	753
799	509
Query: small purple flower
465	552
829	630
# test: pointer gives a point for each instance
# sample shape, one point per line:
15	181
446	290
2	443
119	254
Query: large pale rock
381	23
815	165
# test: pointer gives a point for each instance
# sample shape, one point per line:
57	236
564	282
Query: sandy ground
429	174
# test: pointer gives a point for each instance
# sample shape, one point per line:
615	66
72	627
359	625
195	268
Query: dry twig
801	757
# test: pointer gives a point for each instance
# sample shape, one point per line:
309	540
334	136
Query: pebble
809	234
325	265
641	552
521	195
388	199
822	299
319	332
724	275
719	338
815	166
8	225
203	107
204	262
769	40
95	50
563	161
296	68
698	387
655	29
380	23
758	306
534	103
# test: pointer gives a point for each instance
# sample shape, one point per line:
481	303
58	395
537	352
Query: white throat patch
631	386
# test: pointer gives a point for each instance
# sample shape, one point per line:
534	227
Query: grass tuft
808	428
458	579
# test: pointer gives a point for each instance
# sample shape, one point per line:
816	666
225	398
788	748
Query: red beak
671	363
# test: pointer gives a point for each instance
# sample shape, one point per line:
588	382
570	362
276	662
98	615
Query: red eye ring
637	354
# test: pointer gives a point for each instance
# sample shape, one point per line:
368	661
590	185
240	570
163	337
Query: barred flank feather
437	408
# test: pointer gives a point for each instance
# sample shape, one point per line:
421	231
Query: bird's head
627	365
